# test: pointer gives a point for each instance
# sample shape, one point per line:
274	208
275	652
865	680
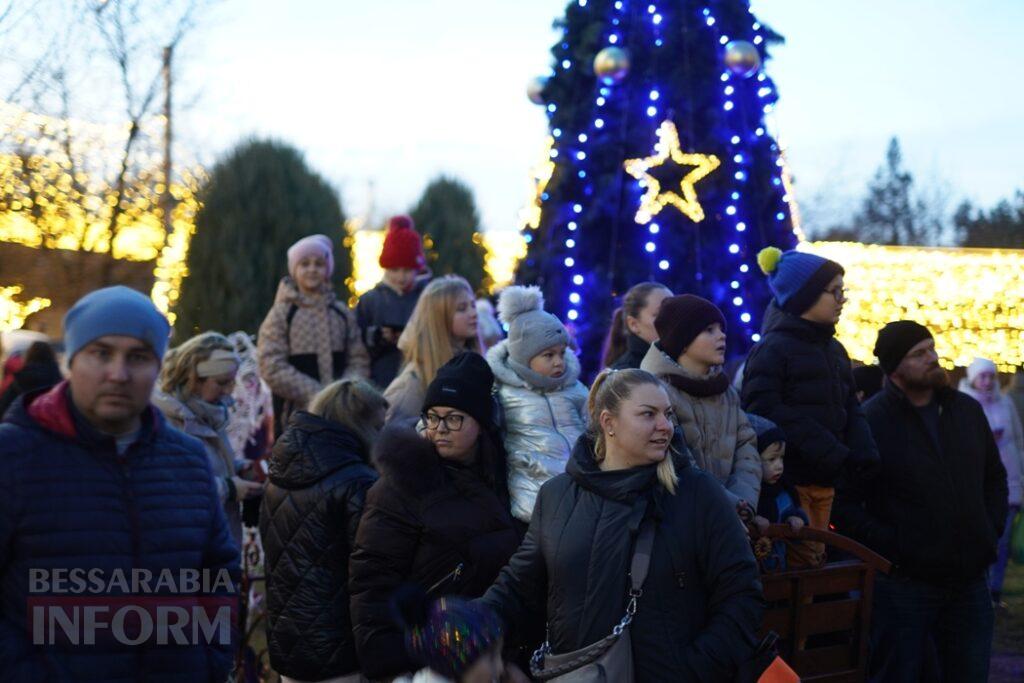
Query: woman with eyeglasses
437	517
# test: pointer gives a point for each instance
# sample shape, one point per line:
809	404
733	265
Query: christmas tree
662	166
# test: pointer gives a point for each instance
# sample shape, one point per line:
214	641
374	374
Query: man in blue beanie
799	376
117	561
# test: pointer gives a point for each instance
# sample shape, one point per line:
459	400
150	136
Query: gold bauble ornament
742	58
535	89
611	65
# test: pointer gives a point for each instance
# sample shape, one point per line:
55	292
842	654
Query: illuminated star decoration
655	199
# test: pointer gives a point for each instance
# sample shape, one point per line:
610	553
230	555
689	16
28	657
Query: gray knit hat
531	329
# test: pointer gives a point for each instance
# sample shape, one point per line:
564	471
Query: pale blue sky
395	91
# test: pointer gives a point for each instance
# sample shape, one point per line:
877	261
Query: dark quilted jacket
799	377
308	521
427	521
701	605
70	502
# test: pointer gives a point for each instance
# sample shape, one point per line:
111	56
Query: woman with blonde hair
629	488
194	395
443	325
319	475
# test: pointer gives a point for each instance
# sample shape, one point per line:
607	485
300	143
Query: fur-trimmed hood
497	358
407	460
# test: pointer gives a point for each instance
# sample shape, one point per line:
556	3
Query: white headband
220	362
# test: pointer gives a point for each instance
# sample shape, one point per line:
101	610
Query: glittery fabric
456	633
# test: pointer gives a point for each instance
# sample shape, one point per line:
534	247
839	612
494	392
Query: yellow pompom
768	259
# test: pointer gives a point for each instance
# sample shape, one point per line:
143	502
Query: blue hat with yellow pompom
796	278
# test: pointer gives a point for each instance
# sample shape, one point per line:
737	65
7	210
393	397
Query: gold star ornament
655	199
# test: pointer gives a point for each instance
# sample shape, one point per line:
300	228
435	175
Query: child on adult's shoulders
384	311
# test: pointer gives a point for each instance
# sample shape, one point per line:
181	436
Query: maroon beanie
403	247
681	319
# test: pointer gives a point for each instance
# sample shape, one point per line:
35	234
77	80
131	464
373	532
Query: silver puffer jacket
542	427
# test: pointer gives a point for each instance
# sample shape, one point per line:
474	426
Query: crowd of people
441	504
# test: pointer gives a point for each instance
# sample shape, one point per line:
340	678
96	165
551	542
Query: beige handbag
611	658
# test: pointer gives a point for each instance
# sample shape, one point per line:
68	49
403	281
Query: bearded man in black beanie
936	507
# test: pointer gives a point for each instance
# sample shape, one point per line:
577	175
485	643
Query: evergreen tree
259	200
447	217
598	233
1000	227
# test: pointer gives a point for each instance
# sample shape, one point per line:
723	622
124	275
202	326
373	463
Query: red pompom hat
403	247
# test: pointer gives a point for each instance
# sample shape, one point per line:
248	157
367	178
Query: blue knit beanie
796	278
767	431
115	311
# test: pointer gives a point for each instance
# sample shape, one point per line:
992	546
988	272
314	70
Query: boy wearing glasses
799	377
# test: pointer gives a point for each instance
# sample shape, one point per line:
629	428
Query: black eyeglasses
452	421
838	293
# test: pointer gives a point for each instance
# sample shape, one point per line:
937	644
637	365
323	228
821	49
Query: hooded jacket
428	521
1009	435
31	377
799	377
701	605
717	431
541	426
319	475
306	342
71	502
935	509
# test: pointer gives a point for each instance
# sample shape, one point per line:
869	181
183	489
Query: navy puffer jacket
70	502
799	376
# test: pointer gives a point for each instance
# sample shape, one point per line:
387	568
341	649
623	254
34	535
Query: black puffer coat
936	510
427	521
701	605
311	509
799	377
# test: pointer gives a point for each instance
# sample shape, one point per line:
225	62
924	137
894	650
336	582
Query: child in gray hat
537	380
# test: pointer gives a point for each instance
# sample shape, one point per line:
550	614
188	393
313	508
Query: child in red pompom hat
384	310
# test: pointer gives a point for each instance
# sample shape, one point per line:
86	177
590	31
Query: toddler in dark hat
779	502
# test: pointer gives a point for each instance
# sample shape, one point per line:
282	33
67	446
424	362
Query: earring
611	433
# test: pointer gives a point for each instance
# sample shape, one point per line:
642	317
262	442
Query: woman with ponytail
632	330
700	606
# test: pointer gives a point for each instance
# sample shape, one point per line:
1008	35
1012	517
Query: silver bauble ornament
611	65
742	58
535	89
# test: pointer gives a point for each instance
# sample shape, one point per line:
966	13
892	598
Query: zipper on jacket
449	578
554	423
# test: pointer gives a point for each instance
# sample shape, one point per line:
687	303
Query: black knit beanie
681	318
464	383
895	340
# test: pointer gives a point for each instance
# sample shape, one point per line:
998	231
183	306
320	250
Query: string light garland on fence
971	299
655	198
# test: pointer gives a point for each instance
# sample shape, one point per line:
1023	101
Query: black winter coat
701	604
427	521
311	508
936	512
799	377
636	349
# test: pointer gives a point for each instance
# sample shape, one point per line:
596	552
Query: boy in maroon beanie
384	311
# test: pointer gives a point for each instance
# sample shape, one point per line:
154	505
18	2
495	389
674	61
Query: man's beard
936	378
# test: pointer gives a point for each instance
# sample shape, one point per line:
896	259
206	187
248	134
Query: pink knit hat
314	245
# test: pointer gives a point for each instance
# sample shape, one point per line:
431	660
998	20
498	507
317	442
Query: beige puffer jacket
717	430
